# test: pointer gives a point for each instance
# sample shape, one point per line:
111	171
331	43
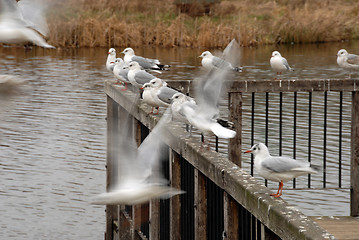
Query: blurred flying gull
279	63
203	113
278	169
146	63
23	21
138	169
348	61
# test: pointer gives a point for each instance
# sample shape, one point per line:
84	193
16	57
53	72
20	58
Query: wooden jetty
222	201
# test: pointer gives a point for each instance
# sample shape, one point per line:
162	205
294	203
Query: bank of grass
121	23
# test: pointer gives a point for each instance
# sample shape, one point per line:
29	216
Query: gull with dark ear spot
278	169
137	76
161	93
146	63
22	21
147	98
209	61
348	61
121	71
279	64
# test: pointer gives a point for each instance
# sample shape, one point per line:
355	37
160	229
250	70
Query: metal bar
280	122
309	133
354	161
267	125
295	132
252	131
340	137
325	140
216	146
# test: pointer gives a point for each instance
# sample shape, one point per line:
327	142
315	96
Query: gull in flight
348	61
137	76
121	71
279	63
209	61
146	63
138	178
111	58
278	169
23	22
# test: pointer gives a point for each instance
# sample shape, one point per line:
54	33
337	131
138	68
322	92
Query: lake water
52	132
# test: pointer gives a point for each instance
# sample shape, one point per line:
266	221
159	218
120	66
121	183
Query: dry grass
121	23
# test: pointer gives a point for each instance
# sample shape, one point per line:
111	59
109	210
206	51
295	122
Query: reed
120	23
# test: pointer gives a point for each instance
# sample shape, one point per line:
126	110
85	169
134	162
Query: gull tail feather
222	132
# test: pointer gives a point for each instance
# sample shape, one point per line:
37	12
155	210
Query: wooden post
235	116
354	165
175	202
154	219
200	200
230	217
112	128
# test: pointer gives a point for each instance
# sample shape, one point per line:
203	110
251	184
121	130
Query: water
52	133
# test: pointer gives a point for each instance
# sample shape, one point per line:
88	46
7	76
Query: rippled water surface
52	134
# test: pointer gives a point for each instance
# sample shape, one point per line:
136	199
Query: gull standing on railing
146	63
111	58
279	63
278	169
137	76
23	22
209	61
348	61
121	71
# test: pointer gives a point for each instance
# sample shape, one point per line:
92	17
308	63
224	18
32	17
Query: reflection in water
52	133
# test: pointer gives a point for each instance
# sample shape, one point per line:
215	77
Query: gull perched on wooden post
278	169
146	63
348	61
22	22
209	61
111	58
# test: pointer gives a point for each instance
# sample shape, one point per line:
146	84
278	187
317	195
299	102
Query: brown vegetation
121	23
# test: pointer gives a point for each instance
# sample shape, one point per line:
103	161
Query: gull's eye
254	148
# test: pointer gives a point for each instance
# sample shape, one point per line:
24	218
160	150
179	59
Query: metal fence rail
221	200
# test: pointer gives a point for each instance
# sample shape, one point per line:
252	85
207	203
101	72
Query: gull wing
166	93
353	59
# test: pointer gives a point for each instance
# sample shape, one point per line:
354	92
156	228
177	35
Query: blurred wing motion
22	22
138	169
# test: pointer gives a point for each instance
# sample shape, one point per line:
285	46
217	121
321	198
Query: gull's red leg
279	192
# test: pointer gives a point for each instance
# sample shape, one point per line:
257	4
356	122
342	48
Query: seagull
209	61
111	58
138	179
138	77
279	63
278	169
161	94
121	71
186	110
147	97
23	22
146	63
348	61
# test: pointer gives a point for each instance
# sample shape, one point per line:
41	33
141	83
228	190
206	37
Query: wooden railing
222	201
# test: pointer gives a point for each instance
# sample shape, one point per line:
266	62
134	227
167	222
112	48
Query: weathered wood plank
175	202
154	219
354	164
112	124
235	116
200	200
343	228
245	189
230	217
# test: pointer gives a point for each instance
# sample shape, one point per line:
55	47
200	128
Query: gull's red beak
248	151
